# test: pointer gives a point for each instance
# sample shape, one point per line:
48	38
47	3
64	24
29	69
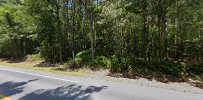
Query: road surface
24	84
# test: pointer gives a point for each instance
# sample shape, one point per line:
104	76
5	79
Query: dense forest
127	36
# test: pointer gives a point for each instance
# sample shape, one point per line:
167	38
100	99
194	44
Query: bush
195	68
37	57
34	57
72	64
101	61
172	68
119	64
137	63
83	57
115	64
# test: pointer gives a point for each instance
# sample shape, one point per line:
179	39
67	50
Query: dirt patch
195	83
161	77
18	63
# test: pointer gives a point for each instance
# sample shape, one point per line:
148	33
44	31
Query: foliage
176	69
36	57
195	69
17	30
83	57
122	35
101	61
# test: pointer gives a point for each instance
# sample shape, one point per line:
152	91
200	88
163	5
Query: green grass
53	70
45	69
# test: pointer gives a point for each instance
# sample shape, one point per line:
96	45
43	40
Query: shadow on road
71	92
11	88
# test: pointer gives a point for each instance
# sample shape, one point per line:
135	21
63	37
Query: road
24	84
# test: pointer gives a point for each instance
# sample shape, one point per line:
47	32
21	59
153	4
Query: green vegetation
125	36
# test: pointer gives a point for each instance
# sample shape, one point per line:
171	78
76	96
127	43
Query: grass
29	65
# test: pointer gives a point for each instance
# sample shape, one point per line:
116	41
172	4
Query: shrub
37	57
137	63
173	68
83	57
34	57
118	64
101	61
115	64
72	64
195	68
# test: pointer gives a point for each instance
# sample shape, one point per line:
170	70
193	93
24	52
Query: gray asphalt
24	84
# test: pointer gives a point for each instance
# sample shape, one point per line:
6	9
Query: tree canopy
122	34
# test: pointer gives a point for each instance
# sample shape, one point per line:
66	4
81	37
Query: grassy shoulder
30	65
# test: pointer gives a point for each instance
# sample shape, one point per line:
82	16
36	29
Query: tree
130	33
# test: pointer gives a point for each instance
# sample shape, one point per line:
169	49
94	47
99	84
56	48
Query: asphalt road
23	84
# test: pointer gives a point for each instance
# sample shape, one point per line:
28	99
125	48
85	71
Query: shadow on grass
71	92
45	64
11	88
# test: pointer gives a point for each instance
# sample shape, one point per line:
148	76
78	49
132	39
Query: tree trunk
92	33
145	30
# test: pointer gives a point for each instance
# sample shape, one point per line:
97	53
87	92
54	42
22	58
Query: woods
122	35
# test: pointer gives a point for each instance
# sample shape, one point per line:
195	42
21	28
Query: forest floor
191	85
